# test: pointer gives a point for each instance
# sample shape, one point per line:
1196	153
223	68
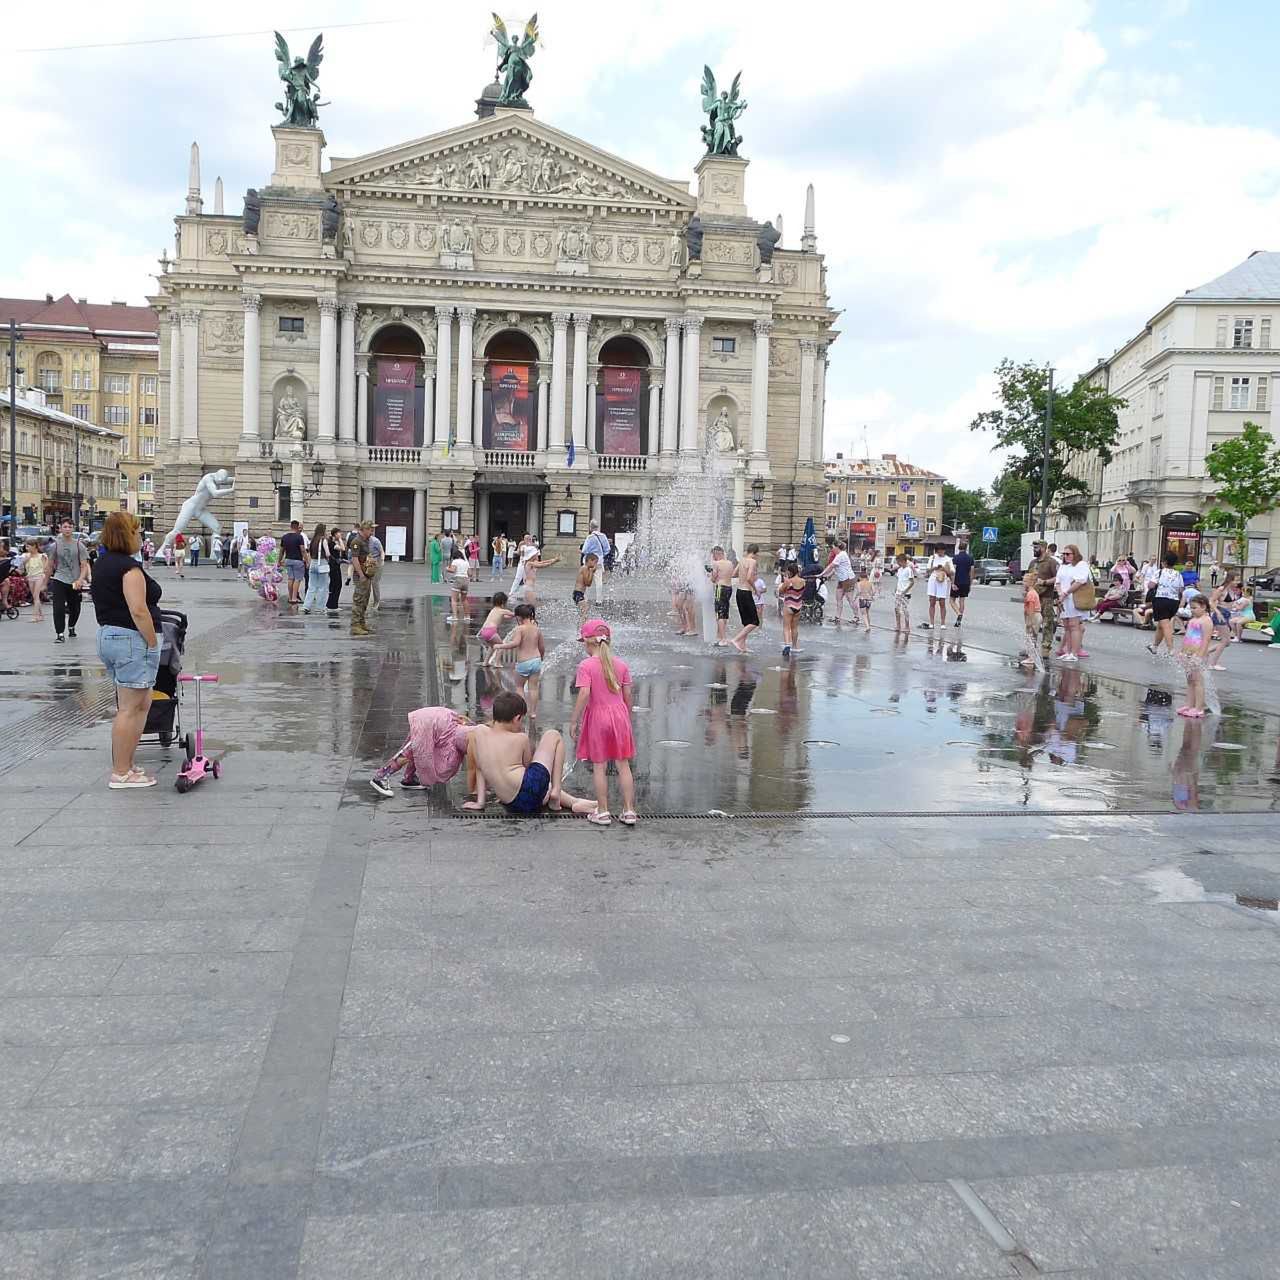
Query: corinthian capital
328	306
763	328
674	325
808	347
466	315
189	317
693	322
349	311
252	301
581	319
561	319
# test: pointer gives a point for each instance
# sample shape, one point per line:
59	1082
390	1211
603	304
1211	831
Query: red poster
620	388
508	422
395	418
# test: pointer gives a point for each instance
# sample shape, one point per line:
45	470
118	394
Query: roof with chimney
113	325
886	467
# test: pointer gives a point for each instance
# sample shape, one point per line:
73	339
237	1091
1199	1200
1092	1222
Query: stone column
559	371
544	385
362	399
328	369
250	360
418	543
190	320
347	405
175	377
477	405
466	322
655	407
820	406
808	353
690	377
581	323
671	398
444	356
428	401
760	390
366	503
592	378
738	528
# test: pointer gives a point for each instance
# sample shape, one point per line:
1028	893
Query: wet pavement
279	1027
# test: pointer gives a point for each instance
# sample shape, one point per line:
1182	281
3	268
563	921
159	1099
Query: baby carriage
164	716
813	600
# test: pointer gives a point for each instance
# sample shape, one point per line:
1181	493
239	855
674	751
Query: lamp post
1044	462
757	493
13	428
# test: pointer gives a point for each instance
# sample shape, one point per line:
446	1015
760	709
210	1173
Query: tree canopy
1246	469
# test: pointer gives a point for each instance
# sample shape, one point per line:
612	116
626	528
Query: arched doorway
622	398
396	388
510	417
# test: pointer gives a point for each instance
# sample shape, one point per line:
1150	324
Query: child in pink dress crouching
602	720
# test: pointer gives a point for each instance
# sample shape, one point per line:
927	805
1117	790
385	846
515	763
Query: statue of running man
217	484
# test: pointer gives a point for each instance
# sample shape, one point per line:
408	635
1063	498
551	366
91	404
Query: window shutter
1264	333
1222	331
1218	387
1261	404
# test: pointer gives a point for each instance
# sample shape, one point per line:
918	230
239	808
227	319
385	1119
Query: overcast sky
1031	178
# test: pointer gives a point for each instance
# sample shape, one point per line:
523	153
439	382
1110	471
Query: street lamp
277	474
757	493
317	477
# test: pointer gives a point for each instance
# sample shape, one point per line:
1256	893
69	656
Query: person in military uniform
363	570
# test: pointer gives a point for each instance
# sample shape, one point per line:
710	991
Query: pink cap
595	629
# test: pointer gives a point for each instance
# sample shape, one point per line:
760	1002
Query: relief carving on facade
602	248
782	358
728	251
513	242
296	153
371	234
787	276
289	420
292	226
488	240
541	243
398	235
217	242
628	248
425	238
456	236
223	333
653	250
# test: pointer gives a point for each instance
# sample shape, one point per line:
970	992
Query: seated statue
291	422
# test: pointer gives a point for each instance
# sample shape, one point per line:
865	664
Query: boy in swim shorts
524	780
721	572
526	640
586	575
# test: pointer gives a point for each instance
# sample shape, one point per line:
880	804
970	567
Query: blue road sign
990	533
911	524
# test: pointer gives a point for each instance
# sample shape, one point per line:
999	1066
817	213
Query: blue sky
993	178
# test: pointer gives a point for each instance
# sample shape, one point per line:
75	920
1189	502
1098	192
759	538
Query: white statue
721	431
291	420
217	484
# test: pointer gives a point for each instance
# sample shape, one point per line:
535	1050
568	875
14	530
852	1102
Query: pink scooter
198	766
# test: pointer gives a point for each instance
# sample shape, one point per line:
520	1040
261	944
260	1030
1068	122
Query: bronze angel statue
513	65
300	107
718	133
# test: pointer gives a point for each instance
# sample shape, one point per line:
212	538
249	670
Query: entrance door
509	514
392	507
619	513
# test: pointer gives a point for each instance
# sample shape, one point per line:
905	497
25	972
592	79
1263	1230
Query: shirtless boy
524	780
526	640
722	588
581	584
745	581
531	566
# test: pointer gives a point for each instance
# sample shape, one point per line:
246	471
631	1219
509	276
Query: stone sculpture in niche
291	417
721	430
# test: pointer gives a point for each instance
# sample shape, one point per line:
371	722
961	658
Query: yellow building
886	503
99	363
57	457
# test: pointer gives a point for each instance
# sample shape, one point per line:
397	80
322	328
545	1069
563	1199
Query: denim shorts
126	657
296	570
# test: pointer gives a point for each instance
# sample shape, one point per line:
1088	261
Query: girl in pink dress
602	720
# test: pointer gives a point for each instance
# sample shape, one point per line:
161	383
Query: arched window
396	389
622	398
510	413
49	371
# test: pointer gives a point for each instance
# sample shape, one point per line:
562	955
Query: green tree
969	507
1247	471
1084	422
1010	494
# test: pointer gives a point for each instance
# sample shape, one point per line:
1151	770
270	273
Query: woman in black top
337	548
127	602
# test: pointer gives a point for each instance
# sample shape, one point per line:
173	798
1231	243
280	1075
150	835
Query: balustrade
393	454
510	459
622	462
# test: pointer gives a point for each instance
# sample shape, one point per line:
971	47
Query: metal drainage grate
856	814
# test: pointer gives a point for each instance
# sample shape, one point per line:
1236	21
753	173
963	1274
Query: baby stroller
164	716
813	600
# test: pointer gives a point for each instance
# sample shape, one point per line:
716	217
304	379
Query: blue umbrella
809	548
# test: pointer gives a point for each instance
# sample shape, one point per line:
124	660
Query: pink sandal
600	819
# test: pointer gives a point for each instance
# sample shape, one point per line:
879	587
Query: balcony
622	462
510	459
394	454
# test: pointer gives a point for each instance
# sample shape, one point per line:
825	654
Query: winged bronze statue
513	64
301	107
719	133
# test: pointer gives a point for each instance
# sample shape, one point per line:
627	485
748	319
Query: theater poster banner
397	403
508	419
621	413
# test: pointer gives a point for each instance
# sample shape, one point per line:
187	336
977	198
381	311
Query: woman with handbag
1076	596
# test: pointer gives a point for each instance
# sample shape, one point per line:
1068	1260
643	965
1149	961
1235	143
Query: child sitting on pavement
582	583
498	614
433	752
527	642
525	780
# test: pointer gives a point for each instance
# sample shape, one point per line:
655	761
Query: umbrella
809	548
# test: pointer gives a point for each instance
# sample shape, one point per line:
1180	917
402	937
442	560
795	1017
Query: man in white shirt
941	572
597	545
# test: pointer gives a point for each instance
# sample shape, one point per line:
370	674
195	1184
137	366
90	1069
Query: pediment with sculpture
501	160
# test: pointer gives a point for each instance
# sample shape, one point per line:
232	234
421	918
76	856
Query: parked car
1266	581
992	571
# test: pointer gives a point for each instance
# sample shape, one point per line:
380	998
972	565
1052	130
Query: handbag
1086	596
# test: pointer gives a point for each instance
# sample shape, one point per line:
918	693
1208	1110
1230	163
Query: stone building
1201	368
886	503
57	457
97	362
497	327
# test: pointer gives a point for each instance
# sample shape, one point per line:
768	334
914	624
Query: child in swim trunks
866	593
524	780
527	642
498	614
581	584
